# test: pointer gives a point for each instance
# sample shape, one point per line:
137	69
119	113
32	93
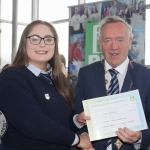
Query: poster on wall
84	26
137	51
79	17
133	12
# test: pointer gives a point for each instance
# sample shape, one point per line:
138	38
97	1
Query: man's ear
130	44
100	45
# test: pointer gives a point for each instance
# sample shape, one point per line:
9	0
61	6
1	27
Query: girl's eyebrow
48	36
42	37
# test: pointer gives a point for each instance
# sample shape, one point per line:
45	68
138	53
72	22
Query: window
6	9
20	31
90	1
6	46
24	11
62	31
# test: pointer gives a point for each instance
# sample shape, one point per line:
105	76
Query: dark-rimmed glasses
35	39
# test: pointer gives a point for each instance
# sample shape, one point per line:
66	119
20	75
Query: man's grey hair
114	19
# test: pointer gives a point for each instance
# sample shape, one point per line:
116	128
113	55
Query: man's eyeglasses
35	39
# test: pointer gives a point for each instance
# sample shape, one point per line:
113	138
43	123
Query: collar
36	71
121	68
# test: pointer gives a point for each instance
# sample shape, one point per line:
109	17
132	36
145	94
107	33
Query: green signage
92	49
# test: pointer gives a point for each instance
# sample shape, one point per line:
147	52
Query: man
93	81
128	15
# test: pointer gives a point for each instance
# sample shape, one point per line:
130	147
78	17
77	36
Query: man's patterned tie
114	84
113	88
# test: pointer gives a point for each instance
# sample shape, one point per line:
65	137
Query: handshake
84	141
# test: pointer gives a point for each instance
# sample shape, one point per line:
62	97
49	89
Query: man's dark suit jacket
91	84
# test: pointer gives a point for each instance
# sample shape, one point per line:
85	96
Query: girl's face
114	4
76	10
85	11
40	54
94	8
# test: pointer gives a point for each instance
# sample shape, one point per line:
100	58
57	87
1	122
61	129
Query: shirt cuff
75	140
76	123
137	145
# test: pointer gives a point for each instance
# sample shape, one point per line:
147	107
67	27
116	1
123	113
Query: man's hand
85	143
81	119
128	136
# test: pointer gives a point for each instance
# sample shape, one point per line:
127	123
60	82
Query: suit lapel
100	86
128	82
100	80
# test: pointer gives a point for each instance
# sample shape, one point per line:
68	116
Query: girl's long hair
60	81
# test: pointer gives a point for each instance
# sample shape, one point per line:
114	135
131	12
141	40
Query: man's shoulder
93	66
141	69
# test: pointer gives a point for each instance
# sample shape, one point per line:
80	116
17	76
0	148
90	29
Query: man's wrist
75	145
76	123
77	120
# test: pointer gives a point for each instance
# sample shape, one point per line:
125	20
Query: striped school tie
46	77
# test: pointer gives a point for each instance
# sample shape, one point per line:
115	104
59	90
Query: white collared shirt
36	71
122	69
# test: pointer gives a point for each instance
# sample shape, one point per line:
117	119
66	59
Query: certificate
112	112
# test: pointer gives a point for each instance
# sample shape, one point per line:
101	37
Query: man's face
115	43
